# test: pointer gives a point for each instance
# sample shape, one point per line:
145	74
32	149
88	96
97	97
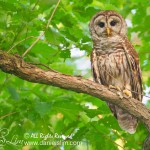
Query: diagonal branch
14	64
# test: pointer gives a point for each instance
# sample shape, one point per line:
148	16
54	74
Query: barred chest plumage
112	64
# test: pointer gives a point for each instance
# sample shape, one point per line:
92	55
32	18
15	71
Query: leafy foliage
34	109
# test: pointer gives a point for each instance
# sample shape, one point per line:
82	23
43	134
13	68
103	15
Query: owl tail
126	121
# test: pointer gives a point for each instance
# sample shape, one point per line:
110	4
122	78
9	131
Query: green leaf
69	109
43	108
13	92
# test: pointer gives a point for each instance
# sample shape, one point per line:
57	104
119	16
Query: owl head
107	24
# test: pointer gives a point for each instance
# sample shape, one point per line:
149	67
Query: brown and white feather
115	62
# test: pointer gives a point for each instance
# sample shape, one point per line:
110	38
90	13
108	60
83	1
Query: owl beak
108	31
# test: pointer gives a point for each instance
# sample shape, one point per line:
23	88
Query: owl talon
127	93
114	87
120	94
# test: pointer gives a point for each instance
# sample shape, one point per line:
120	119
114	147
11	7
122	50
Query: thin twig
40	64
21	30
43	31
8	115
27	39
35	4
19	43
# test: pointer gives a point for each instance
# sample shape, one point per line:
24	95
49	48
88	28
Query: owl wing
125	120
94	66
135	71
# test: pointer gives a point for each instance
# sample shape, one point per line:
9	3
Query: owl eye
101	24
113	23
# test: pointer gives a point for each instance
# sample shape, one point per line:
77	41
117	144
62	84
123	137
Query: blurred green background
29	109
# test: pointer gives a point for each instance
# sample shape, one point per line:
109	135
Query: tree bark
14	64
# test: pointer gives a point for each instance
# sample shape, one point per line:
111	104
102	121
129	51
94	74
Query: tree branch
14	64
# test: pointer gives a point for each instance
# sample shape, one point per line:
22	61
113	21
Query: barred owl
115	62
